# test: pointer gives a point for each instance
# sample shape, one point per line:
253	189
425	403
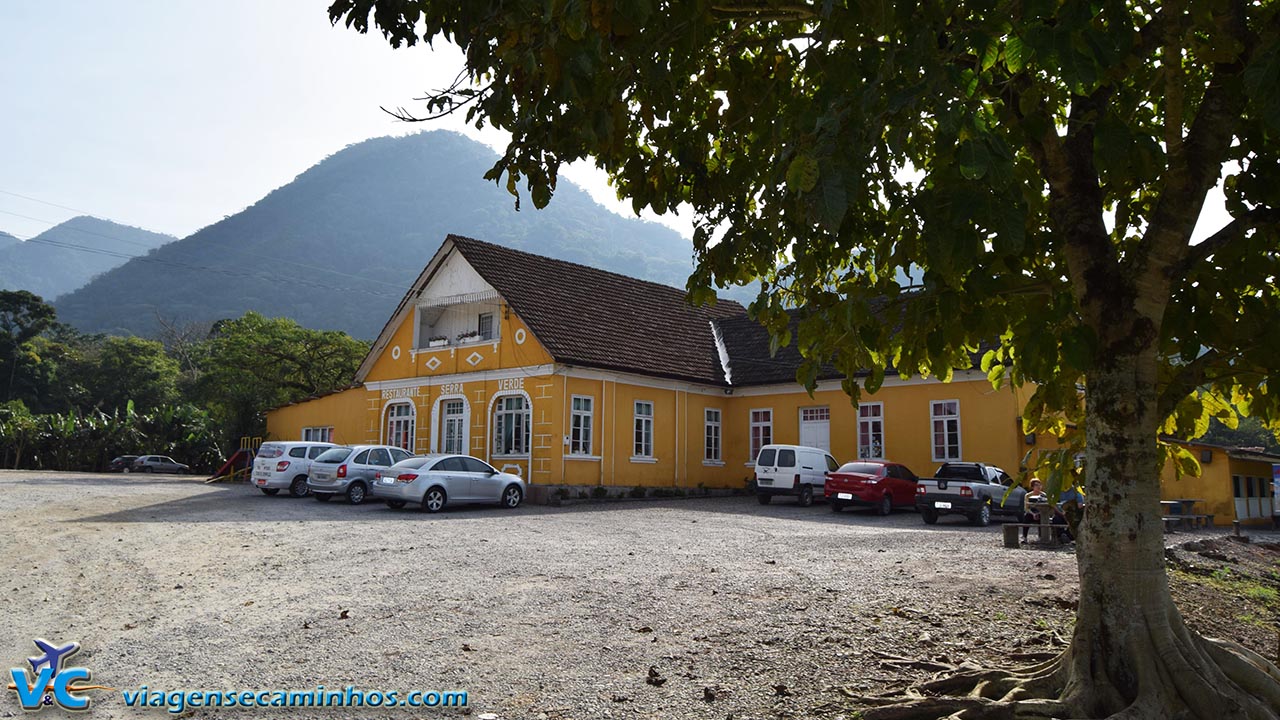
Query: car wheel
763	499
886	505
982	518
512	496
298	488
434	500
836	506
356	493
321	497
395	504
147	469
806	495
269	491
930	516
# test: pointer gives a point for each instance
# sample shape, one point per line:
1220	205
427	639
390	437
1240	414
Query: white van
285	465
792	470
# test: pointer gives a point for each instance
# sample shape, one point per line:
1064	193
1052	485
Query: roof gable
590	317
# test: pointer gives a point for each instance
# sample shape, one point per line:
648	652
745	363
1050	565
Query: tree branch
1195	163
1231	233
1186	379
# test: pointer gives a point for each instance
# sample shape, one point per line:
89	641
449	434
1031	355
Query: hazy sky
171	114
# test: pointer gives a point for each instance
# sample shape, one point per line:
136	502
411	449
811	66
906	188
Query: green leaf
802	174
974	159
1014	54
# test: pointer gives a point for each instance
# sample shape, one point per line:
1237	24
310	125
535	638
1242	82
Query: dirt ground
699	608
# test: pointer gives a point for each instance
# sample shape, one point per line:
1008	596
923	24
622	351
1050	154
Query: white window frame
712	436
766	432
493	325
642	431
459	419
870	427
400	425
519	417
581	424
946	419
320	433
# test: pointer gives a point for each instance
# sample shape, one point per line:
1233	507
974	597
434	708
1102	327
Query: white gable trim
459	279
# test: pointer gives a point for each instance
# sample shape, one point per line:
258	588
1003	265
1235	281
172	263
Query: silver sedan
437	480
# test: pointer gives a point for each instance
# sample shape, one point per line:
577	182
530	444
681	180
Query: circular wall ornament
395	352
520	336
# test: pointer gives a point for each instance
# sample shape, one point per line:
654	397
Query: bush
638	492
599	492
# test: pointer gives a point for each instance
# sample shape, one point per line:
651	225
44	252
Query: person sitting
1030	515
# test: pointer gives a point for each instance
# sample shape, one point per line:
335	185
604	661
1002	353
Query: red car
871	483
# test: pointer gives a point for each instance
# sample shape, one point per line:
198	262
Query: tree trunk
1131	654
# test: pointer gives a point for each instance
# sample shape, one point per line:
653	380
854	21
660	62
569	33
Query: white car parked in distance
792	470
285	466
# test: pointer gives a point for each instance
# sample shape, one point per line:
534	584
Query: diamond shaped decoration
433	363
474	359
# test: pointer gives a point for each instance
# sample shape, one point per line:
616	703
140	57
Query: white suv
285	465
792	470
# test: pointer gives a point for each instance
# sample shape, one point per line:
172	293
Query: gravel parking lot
742	611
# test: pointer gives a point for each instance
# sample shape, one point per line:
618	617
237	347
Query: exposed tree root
1184	678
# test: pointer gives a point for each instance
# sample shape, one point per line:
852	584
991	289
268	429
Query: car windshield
270	450
766	457
862	468
332	455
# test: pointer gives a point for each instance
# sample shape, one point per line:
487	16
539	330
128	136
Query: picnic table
1181	512
1047	531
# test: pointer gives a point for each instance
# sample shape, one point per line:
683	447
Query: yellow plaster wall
346	411
989	429
1214	485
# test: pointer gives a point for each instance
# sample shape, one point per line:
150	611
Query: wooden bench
1171	522
1013	530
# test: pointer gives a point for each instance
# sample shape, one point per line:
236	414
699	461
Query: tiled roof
593	318
747	342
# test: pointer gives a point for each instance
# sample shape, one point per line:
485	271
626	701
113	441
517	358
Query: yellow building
1234	484
573	375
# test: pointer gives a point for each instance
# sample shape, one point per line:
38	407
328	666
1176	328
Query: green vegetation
73	401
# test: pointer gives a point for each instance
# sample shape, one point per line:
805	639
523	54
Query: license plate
844	496
763	481
942	505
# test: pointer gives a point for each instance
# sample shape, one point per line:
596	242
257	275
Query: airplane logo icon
53	657
50	682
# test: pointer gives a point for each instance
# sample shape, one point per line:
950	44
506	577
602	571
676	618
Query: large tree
23	316
1043	163
254	363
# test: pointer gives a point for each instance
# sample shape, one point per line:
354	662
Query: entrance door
815	427
453	428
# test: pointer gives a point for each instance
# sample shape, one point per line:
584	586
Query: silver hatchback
350	470
436	480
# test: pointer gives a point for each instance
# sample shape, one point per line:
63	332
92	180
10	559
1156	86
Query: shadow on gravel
240	503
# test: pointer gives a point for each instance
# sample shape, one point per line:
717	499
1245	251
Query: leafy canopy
1042	162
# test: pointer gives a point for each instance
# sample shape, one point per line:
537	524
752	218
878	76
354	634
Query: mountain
67	256
338	247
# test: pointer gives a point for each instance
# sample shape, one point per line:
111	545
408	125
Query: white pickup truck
973	489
